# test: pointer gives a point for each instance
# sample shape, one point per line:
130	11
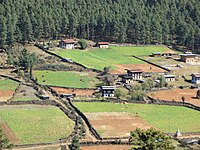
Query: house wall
108	93
170	79
136	76
103	46
66	46
127	81
187	60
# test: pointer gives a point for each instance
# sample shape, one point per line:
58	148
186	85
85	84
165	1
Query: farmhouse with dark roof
108	91
188	58
135	73
169	78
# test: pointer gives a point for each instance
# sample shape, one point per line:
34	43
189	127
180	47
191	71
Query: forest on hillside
133	21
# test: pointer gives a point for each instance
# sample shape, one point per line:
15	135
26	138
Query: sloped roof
103	43
197	75
135	70
69	41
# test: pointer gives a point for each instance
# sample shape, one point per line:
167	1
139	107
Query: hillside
133	21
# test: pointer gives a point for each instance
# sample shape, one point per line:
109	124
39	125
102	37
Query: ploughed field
66	79
112	120
7	88
176	95
113	56
28	124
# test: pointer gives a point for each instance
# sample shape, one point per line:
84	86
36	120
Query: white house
169	78
67	44
103	44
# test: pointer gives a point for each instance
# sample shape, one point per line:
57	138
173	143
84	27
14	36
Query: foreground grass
35	124
66	79
165	118
99	58
7	84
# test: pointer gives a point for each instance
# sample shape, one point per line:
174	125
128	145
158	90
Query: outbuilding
170	78
188	58
103	44
67	44
127	79
196	78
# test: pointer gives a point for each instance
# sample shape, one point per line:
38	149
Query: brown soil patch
9	134
79	92
169	51
5	95
121	68
176	94
106	147
116	124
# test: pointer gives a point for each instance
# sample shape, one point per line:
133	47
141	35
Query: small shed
108	91
170	78
188	58
196	78
67	44
103	44
135	73
156	54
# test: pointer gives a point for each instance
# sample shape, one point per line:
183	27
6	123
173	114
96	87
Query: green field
166	118
7	84
66	79
99	58
35	124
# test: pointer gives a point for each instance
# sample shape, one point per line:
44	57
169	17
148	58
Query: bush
138	95
82	43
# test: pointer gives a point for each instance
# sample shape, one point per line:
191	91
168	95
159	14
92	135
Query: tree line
134	21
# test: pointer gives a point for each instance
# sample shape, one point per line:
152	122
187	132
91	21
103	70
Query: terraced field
34	124
115	55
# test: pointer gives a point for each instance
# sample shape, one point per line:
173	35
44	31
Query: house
103	44
135	73
67	44
196	78
169	78
156	54
108	91
188	58
127	79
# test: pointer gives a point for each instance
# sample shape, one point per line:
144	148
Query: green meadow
36	124
100	58
165	118
7	84
66	79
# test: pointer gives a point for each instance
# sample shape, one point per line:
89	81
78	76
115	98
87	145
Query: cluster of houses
71	43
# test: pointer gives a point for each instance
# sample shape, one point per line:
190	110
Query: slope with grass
165	118
66	79
36	124
99	58
7	84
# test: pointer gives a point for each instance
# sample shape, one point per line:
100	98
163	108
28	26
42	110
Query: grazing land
35	124
165	118
100	58
66	79
176	95
7	88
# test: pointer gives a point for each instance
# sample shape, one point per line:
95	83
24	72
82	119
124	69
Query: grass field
7	84
99	58
66	79
34	124
165	118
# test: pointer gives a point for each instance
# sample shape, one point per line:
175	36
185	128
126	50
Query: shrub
82	43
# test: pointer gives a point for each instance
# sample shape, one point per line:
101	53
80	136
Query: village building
196	78
127	79
188	58
103	44
108	91
156	54
169	78
67	44
135	73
